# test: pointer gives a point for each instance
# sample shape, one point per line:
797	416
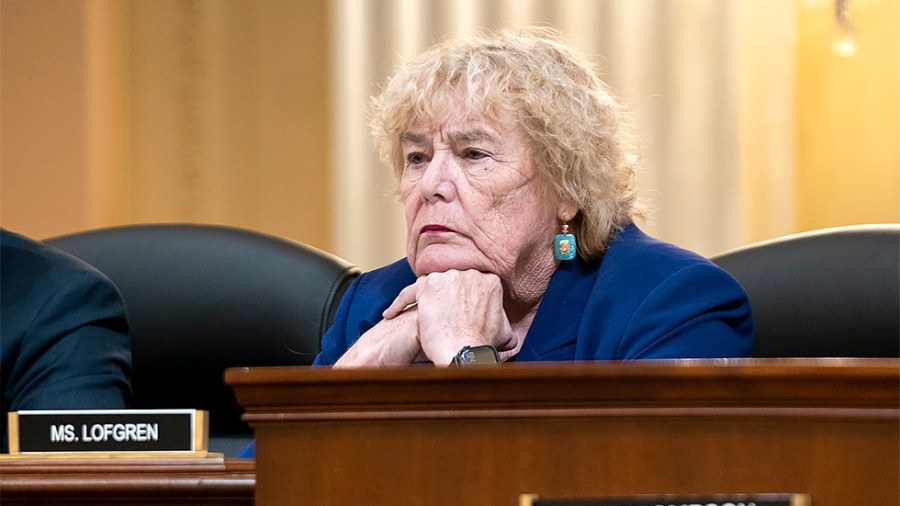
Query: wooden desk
126	481
421	435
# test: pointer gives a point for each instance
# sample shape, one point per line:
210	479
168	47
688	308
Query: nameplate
675	500
108	431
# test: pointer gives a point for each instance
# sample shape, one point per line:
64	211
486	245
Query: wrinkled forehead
457	103
455	114
452	120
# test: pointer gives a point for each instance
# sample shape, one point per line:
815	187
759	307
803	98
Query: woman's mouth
433	229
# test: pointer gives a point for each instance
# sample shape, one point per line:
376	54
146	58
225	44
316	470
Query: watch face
478	355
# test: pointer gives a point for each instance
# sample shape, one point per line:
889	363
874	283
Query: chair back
203	298
827	293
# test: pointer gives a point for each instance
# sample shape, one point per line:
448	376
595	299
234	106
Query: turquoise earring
564	247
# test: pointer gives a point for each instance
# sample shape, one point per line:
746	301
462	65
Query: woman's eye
472	154
415	158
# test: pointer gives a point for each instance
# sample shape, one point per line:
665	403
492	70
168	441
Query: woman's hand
390	342
455	309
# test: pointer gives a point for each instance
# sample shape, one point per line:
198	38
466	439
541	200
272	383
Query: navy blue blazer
644	299
63	332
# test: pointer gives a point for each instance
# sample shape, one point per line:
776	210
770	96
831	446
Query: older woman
515	168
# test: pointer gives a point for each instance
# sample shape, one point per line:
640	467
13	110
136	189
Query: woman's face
473	199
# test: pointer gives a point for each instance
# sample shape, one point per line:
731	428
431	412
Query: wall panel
848	113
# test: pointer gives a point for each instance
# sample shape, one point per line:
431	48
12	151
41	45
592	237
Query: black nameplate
677	500
108	431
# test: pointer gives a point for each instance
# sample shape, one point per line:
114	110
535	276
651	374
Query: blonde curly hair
579	135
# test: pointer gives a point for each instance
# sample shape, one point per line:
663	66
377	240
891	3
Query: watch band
483	354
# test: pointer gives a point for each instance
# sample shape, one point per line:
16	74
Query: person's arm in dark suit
65	342
76	352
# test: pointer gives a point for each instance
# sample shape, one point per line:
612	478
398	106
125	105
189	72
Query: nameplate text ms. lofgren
104	432
176	430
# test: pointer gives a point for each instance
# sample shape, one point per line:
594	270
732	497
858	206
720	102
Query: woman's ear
566	211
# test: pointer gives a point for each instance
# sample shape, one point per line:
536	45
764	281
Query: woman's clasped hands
432	319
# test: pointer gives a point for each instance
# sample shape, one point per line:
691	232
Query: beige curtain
685	68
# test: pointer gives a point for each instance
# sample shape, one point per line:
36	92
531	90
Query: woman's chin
428	263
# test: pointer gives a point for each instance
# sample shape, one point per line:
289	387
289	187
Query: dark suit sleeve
699	311
75	353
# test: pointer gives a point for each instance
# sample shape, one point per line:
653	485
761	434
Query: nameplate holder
675	500
92	433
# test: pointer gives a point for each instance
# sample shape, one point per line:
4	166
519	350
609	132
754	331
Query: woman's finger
405	299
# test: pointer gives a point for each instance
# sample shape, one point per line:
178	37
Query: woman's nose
438	181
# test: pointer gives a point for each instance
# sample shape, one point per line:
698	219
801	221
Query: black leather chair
827	293
203	298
